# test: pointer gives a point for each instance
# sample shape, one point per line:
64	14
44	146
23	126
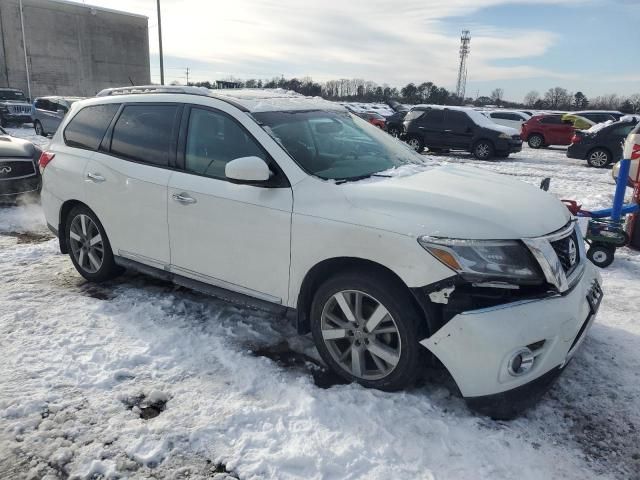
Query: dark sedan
19	173
600	146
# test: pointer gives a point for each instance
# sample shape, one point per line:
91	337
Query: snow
81	362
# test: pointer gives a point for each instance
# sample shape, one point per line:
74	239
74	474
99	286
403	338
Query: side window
213	140
413	114
552	120
456	121
87	128
143	133
501	116
433	118
623	131
40	104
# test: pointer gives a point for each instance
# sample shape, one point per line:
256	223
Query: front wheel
89	246
367	331
416	144
601	255
483	150
599	158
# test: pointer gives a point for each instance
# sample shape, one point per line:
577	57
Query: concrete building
71	48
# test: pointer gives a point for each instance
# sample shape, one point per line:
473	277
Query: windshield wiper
340	181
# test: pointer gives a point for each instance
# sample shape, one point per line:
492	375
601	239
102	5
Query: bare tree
557	98
635	102
497	95
531	98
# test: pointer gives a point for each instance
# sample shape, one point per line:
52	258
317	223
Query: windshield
11	95
336	145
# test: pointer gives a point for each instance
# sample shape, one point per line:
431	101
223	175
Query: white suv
297	206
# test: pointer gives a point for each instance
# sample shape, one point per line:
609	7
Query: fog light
521	362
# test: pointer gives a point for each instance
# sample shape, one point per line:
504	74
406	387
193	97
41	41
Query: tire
400	329
416	143
37	126
394	132
601	255
483	150
535	141
96	262
599	158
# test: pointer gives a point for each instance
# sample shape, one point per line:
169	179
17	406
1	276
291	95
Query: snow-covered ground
141	379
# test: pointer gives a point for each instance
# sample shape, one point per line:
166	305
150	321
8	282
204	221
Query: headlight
505	136
485	260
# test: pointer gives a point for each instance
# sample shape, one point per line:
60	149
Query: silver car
48	113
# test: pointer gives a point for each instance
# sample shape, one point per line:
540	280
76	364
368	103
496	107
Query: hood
461	202
502	129
11	147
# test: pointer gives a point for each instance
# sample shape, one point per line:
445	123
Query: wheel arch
65	209
600	147
327	268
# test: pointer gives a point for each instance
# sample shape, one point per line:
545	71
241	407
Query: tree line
359	90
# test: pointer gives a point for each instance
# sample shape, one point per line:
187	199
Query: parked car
544	130
600	146
14	107
48	113
256	199
374	119
578	122
507	118
599	116
19	173
394	123
459	128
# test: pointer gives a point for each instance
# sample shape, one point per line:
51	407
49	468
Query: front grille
13	169
568	252
20	109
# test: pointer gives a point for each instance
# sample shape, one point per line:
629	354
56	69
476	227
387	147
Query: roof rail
152	89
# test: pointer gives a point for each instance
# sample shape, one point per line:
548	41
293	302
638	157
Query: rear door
556	132
229	234
46	113
431	124
127	180
458	129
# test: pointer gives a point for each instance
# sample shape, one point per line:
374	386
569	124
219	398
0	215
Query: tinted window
507	116
623	131
143	133
88	127
213	140
434	118
413	114
556	120
456	121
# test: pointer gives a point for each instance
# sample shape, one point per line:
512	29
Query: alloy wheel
86	243
482	150
360	334
599	158
38	128
535	141
414	143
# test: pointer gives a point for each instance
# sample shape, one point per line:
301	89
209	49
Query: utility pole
160	43
187	70
24	44
465	48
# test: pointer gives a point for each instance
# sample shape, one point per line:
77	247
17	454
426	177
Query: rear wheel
536	141
483	150
38	128
599	158
89	246
368	330
416	144
394	132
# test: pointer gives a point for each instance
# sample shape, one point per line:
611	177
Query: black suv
601	146
458	128
394	123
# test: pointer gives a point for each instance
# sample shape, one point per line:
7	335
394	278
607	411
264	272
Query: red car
543	130
374	119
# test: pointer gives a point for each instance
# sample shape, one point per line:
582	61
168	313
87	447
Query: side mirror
247	169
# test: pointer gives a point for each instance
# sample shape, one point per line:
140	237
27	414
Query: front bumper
12	188
17	117
476	346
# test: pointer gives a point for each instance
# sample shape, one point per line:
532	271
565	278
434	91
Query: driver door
224	233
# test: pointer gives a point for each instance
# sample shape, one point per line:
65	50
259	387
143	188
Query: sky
517	45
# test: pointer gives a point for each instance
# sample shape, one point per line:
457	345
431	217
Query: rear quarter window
86	129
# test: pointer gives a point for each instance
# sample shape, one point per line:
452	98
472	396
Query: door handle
448	131
95	177
183	198
421	128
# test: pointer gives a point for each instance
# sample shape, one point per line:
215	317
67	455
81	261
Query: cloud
370	39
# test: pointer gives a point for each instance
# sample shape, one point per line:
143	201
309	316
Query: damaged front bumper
477	346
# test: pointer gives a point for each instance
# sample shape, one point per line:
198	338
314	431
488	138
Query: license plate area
594	298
